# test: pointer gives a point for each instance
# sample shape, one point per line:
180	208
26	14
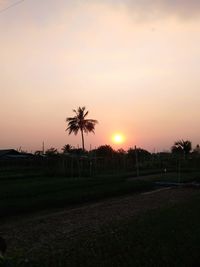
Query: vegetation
67	148
104	151
182	147
24	194
25	191
51	152
80	123
104	160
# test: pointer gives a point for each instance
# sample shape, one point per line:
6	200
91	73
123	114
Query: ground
35	233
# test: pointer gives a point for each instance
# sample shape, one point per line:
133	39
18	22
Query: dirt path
37	232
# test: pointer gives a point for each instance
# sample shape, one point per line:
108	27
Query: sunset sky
134	64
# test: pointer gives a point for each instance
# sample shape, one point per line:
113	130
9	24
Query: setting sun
118	138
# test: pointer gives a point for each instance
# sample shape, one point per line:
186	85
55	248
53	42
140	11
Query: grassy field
164	237
23	192
183	177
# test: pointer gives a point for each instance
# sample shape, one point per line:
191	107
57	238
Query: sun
118	138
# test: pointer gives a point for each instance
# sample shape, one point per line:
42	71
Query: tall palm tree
80	123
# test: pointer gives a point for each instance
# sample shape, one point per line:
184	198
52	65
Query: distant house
13	154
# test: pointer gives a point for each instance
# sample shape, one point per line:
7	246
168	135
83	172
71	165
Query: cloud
139	9
152	8
3	3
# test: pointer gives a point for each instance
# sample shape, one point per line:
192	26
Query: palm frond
89	127
73	129
70	119
85	115
92	121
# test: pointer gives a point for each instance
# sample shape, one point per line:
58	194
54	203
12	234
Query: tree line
80	123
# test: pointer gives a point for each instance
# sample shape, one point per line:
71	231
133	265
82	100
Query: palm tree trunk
83	145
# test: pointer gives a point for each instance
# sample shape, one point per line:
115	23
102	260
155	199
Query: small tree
182	147
51	152
142	154
105	151
66	148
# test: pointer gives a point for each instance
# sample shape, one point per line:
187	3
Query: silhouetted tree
78	151
177	150
51	151
104	151
121	152
141	153
182	147
80	123
197	149
66	148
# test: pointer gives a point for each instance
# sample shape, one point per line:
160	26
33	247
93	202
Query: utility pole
179	170
43	147
136	162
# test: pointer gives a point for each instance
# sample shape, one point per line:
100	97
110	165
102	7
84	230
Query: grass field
23	192
173	177
28	194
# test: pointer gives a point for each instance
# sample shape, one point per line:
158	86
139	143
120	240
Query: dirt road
35	233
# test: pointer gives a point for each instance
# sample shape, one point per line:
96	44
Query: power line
10	6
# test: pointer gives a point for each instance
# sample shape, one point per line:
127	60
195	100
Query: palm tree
182	146
80	123
66	148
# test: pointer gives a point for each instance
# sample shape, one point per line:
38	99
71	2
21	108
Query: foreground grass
29	191
182	177
166	237
21	195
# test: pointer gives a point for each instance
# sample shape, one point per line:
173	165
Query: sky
134	64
